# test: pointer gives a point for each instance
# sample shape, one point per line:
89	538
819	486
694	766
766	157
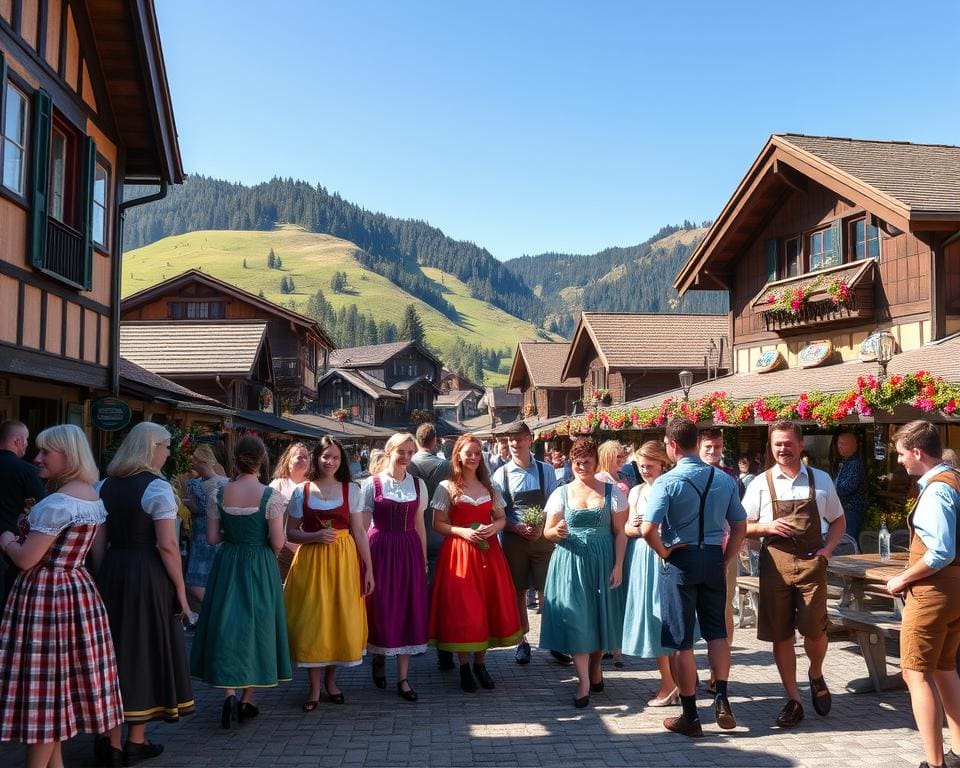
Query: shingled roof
925	177
370	355
133	376
365	383
185	348
639	340
541	364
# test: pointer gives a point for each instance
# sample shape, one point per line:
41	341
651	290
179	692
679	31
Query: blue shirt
524	479
935	519
676	506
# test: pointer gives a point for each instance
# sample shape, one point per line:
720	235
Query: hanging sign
109	414
769	361
868	349
879	443
815	353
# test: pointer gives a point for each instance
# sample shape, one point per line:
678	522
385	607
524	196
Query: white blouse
285	485
275	507
618	502
444	493
295	507
405	490
158	500
59	511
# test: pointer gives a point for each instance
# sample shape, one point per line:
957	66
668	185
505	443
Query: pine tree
412	328
271	260
244	263
277	264
261	294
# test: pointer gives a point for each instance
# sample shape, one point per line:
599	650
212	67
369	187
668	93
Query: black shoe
378	669
822	700
134	753
563	658
523	653
467	683
445	661
790	715
336	698
596	687
409	694
582	702
106	754
724	713
951	759
247	711
486	682
227	713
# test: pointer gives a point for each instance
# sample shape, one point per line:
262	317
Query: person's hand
327	535
824	553
561	531
897	585
485	531
368	583
779	527
667	551
470	534
528	531
616	576
5	538
637	520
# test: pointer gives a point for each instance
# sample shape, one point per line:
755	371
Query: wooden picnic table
862	574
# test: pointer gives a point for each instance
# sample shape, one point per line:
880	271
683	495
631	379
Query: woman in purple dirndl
397	609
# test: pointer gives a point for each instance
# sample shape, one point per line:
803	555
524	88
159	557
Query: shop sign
769	361
266	400
109	414
868	349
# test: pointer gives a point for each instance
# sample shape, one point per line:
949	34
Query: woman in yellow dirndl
323	594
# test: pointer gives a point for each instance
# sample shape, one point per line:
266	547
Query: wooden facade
902	267
84	107
300	348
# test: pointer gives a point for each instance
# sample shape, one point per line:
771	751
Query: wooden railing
65	252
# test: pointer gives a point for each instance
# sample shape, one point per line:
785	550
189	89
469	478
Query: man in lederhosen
524	482
930	633
784	508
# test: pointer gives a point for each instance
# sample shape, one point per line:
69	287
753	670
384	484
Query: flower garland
421	415
920	390
340	414
793	300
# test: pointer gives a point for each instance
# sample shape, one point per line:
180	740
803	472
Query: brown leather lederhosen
930	633
793	580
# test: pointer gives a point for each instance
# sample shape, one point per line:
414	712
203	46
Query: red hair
456	475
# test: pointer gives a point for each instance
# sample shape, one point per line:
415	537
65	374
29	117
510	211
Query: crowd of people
623	552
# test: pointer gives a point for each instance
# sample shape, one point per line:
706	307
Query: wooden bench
870	631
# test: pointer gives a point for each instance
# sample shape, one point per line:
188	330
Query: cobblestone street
529	720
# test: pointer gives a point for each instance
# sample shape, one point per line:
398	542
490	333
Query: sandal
309	706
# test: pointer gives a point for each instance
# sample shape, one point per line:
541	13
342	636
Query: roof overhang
518	376
781	169
584	339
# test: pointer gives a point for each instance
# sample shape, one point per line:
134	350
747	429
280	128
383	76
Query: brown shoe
724	713
691	728
821	696
790	715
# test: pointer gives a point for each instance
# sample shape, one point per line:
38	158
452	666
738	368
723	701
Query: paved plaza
529	720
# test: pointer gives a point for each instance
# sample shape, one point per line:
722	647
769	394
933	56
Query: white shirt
295	507
618	501
756	501
397	491
158	500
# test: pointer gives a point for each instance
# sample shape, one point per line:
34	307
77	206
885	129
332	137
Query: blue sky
545	126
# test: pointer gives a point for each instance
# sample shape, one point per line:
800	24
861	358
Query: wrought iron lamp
886	343
686	382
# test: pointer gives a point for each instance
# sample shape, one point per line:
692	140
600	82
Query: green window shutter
771	260
89	159
837	256
40	176
3	86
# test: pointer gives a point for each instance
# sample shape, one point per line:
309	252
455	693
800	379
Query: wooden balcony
819	310
65	255
286	371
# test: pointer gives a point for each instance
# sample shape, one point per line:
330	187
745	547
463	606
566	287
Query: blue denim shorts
693	587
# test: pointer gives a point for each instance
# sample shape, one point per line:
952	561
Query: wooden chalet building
84	108
300	349
453	381
630	354
228	360
537	372
380	384
503	405
812	213
458	405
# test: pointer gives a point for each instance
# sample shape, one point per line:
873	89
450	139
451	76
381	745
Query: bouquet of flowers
535	517
483	545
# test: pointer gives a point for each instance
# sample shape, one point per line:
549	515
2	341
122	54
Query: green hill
310	259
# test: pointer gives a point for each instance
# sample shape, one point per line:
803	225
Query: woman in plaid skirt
57	670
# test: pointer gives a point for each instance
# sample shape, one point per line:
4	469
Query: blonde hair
655	450
71	441
204	453
395	441
607	455
135	453
282	468
377	460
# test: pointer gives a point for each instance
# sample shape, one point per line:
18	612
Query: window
101	182
821	251
196	310
792	257
864	240
14	139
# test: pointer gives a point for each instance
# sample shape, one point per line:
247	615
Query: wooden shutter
3	90
771	260
837	256
87	177
40	176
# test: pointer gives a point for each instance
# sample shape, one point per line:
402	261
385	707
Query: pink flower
924	404
950	407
